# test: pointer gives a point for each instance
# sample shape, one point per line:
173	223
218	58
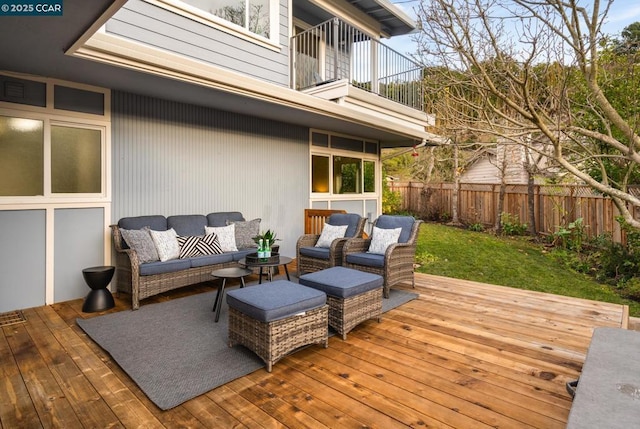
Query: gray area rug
174	351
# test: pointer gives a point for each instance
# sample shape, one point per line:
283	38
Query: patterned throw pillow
166	244
245	231
141	242
383	238
226	236
195	245
330	233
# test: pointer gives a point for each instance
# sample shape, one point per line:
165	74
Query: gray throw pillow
245	231
141	242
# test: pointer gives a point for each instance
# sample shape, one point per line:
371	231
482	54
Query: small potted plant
265	241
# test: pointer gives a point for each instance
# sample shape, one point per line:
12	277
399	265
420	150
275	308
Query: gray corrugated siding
155	26
172	158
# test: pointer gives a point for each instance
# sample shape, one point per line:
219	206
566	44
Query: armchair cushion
349	219
366	259
383	238
315	252
330	233
392	222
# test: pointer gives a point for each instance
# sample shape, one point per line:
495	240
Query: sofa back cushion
223	218
156	222
187	224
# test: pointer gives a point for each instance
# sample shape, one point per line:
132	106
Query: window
252	15
319	174
76	160
347	168
21	157
75	154
347	175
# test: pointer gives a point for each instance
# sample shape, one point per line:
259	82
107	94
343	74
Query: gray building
124	108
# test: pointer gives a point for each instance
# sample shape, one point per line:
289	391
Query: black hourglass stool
100	298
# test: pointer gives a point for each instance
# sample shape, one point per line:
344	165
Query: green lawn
506	261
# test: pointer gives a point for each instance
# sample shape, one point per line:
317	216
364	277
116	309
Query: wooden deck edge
625	317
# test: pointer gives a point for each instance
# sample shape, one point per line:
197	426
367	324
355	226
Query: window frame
50	115
331	153
49	121
272	42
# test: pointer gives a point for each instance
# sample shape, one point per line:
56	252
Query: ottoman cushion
342	282
276	300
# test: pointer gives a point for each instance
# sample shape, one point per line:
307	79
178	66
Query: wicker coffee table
224	274
282	261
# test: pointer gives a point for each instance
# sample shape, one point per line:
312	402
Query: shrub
572	236
511	224
391	200
478	227
630	288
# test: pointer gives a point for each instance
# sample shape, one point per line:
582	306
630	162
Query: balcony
331	58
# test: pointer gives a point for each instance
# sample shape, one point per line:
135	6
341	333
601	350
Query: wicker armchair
396	265
311	258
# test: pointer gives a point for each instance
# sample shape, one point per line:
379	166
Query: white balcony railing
335	50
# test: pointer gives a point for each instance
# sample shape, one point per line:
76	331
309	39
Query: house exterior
117	108
508	161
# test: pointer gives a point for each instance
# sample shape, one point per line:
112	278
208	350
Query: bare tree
521	68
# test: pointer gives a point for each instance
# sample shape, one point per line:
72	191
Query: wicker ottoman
353	296
275	319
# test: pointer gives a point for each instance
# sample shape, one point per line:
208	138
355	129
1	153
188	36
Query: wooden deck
464	355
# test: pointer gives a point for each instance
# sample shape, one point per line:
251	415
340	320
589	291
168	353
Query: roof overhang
59	47
393	19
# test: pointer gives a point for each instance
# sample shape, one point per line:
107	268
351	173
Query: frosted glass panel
76	160
21	157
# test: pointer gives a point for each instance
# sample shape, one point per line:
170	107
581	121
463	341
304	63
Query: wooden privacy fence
554	205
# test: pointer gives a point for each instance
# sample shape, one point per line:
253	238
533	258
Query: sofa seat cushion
241	253
315	252
275	301
202	261
342	282
366	259
170	266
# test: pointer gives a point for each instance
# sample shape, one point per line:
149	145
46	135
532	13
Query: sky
621	14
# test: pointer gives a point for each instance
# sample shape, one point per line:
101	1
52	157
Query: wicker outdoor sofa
146	279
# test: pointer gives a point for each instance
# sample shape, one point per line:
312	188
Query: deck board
464	354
